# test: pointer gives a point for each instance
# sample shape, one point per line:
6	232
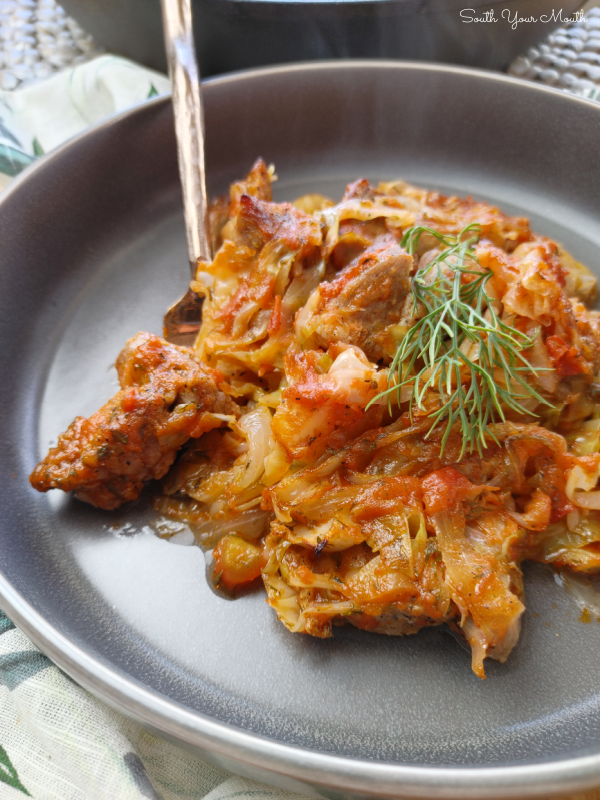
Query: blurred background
233	34
38	36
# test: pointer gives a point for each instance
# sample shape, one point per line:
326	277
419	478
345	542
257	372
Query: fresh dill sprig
449	294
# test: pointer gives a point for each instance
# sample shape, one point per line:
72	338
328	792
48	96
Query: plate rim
251	751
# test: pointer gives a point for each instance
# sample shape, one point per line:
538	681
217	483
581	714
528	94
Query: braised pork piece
167	397
392	402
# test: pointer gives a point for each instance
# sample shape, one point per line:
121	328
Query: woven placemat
37	38
569	58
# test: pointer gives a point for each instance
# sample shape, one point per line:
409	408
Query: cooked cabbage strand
450	295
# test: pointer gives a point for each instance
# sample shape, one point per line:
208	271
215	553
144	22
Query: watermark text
514	18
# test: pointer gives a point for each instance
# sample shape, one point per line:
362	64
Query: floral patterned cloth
42	115
57	742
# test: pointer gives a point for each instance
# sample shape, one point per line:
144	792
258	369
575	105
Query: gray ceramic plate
93	250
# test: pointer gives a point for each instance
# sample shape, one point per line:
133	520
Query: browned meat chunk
365	299
167	397
260	222
223	213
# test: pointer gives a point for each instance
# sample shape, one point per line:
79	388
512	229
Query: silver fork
182	320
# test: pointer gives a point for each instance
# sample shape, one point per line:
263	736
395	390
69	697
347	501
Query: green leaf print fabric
8	774
58	742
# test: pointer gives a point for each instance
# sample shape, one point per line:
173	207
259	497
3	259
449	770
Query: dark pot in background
234	34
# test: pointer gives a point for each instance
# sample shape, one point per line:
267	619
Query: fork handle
189	125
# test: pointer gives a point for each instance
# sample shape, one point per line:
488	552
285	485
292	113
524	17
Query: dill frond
449	295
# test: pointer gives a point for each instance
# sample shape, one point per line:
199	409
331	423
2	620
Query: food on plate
167	397
393	401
